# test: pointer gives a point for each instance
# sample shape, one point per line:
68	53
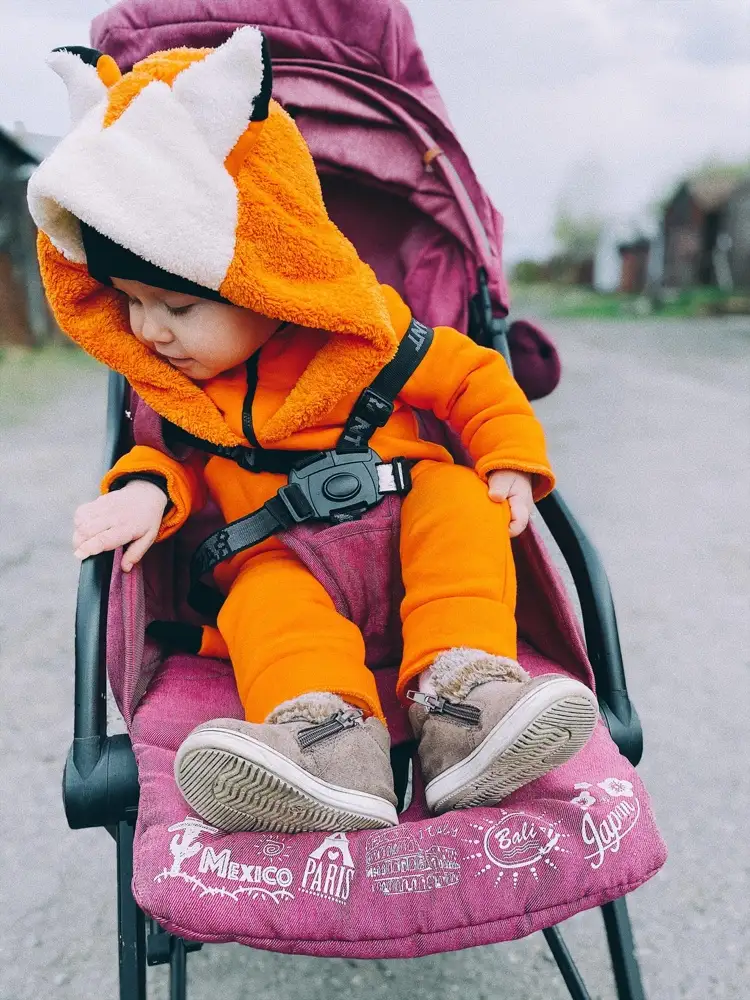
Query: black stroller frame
100	783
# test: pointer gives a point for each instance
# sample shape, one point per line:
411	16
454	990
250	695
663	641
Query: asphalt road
649	433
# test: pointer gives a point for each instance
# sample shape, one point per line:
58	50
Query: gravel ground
649	433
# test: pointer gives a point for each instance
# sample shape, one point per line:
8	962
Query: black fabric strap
250	459
375	406
240	535
372	410
288	507
207	601
177	635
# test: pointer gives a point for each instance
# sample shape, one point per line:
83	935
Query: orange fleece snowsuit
280	626
289	261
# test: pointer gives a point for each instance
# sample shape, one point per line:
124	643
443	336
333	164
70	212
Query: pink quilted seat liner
577	838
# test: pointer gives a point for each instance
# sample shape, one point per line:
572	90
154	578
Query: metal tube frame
566	965
131	924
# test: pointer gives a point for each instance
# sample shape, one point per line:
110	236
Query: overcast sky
604	101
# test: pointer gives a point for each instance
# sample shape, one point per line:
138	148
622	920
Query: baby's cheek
135	318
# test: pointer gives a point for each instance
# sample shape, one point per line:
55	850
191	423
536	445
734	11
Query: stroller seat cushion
577	838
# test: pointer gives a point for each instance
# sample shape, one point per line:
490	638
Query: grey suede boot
315	764
492	729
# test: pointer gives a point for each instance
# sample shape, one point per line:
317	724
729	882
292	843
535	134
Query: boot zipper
469	714
338	724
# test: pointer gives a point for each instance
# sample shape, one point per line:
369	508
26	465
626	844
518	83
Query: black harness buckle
296	502
335	487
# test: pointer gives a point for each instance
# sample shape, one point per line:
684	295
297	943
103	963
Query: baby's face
196	336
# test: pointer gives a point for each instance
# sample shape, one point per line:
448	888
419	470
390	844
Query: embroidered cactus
184	848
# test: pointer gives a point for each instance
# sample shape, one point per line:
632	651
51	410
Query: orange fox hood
167	162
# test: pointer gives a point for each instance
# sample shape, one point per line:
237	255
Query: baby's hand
515	487
132	514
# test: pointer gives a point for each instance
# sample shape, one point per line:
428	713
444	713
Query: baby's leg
285	637
314	751
457	567
485	727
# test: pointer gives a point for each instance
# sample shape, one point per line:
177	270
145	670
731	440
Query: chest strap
249	459
336	486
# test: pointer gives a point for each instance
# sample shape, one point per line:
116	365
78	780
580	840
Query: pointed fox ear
228	88
87	73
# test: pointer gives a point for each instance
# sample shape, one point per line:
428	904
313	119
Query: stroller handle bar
100	783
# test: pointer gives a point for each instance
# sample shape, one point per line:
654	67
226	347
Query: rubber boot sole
237	783
543	730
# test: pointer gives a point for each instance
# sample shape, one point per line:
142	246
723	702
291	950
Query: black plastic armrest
100	782
599	624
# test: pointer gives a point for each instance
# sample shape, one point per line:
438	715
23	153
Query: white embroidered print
584	800
329	870
617	787
605	827
518	845
257	881
398	863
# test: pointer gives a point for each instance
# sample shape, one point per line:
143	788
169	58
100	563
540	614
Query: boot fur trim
458	671
314	707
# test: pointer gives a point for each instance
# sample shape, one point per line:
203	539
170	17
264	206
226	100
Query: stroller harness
336	485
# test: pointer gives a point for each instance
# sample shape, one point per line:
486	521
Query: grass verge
29	377
565	302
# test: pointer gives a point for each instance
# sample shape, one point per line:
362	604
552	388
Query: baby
184	242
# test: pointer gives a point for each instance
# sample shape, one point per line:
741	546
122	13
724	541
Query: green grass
29	377
567	302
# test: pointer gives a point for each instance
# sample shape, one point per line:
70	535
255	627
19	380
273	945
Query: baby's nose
156	332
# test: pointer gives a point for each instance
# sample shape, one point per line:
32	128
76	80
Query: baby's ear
227	89
87	73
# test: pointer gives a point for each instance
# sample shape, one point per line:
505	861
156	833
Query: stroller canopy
352	74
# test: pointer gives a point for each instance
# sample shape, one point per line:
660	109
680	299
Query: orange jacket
468	386
171	162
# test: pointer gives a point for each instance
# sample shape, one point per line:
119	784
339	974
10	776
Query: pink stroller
399	185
